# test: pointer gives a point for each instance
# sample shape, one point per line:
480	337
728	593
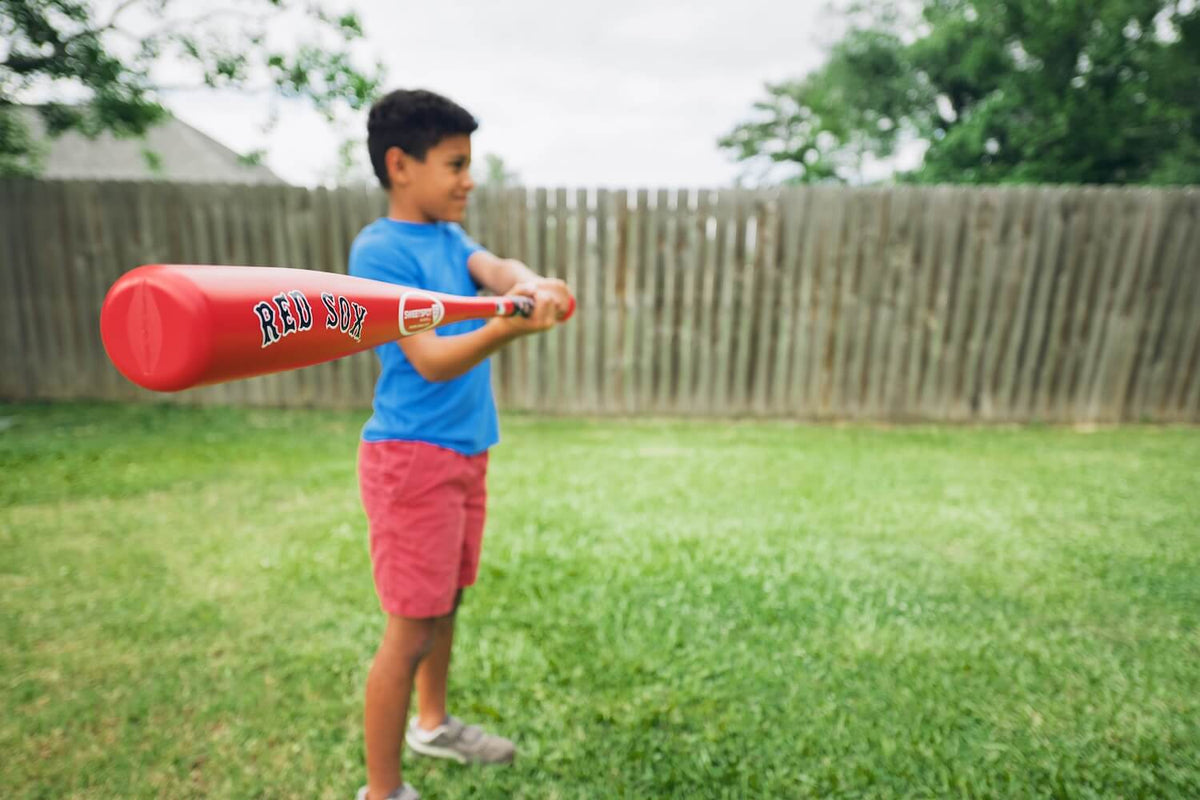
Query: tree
1074	91
107	71
496	174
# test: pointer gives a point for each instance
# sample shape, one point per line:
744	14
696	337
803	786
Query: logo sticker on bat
343	315
419	312
284	314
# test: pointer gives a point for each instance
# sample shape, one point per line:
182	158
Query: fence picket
1045	270
922	322
787	256
689	266
121	234
593	322
706	313
1147	265
933	399
611	266
1024	274
849	243
103	377
1177	312
1052	372
749	224
804	322
558	259
16	368
873	272
1187	370
517	354
1107	393
1110	253
889	334
765	304
1161	291
822	350
82	311
664	338
43	280
1099	225
573	376
977	212
726	245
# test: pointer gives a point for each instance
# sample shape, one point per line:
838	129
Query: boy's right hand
543	317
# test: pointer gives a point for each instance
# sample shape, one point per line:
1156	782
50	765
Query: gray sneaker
405	792
463	743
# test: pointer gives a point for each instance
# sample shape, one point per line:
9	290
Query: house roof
185	154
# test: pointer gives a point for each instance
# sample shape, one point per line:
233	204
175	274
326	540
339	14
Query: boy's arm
442	358
509	276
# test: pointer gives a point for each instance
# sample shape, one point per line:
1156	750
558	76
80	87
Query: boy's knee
422	646
411	639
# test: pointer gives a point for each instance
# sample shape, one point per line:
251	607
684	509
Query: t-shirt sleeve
370	258
465	242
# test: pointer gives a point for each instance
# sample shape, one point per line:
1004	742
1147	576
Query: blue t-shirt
459	414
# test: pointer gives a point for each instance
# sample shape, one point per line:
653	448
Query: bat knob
566	315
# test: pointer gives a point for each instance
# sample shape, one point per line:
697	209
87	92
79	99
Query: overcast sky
621	93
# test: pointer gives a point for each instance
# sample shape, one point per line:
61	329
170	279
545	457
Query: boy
423	455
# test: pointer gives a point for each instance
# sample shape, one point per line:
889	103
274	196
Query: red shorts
425	512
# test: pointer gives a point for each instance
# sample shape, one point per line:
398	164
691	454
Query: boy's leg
389	685
432	676
433	672
414	507
435	733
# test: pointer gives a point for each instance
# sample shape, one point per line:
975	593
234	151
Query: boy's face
437	187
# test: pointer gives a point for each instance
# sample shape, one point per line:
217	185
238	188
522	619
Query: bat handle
523	306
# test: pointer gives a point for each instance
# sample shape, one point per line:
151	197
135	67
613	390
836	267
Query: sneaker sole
420	748
434	752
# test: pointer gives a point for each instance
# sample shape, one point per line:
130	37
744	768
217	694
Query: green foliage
251	159
20	154
153	161
666	610
1012	91
62	47
827	122
496	174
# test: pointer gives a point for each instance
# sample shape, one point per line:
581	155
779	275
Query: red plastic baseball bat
169	327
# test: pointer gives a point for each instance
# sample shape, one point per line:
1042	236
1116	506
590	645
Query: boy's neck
402	211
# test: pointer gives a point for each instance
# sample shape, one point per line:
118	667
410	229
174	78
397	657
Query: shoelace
471	734
455	731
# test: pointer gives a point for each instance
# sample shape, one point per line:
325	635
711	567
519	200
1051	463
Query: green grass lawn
677	609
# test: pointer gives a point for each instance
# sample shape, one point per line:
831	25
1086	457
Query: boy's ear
397	163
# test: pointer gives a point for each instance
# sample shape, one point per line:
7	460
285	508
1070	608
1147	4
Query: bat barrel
169	327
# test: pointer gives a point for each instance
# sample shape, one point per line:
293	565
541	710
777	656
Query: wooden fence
902	303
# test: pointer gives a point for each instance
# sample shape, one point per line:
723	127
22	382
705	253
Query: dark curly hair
413	120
